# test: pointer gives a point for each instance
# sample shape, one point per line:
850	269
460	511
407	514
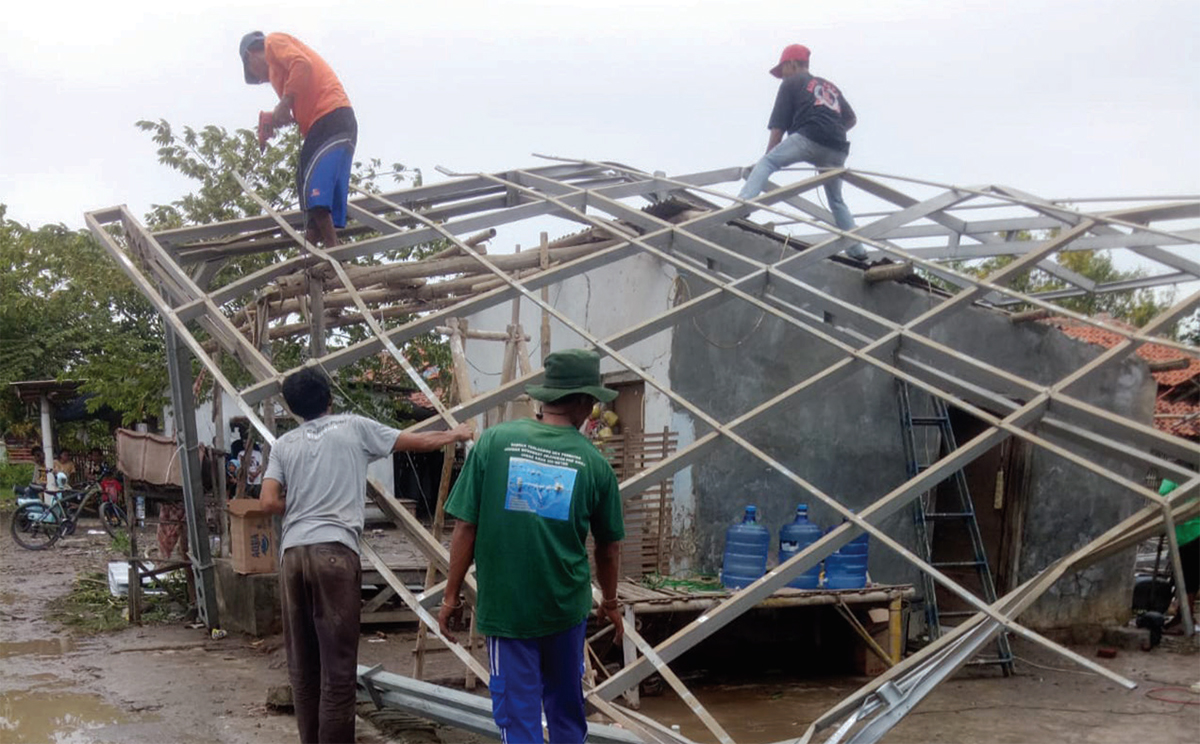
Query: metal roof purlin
580	191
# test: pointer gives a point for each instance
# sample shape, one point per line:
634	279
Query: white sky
1062	99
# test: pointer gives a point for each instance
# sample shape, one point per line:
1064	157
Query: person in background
254	474
65	465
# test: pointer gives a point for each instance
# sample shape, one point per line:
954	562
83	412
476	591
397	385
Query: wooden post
662	564
888	273
459	394
544	262
316	314
470	678
895	629
134	594
629	655
218	464
439	522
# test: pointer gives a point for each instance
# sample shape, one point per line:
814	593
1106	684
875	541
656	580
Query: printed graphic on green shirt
537	485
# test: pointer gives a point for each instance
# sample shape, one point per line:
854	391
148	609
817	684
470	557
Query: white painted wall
603	302
206	430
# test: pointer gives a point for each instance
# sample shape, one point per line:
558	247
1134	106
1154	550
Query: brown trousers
321	591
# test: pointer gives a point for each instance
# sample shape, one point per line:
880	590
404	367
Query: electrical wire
1150	694
677	297
1023	660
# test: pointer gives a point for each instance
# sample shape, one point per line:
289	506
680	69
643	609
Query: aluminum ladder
956	509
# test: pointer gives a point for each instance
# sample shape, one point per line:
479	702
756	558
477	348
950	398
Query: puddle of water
28	717
753	714
41	647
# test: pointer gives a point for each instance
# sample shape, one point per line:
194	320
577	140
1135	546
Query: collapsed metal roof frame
174	268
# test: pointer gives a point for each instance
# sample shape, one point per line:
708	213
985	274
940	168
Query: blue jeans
796	148
528	674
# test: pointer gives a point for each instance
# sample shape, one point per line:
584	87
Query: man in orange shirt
311	96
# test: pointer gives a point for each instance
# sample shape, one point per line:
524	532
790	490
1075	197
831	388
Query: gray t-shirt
323	466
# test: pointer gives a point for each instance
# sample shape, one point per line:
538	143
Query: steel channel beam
939	376
1121	536
95	222
823	250
1032	410
1149	282
1154	253
979	373
959	226
1016	430
431	194
219	326
179	369
650	222
927	341
499	295
454	707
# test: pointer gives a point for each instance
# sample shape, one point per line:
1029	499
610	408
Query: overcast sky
1063	99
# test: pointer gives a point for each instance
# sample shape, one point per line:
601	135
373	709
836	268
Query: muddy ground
172	683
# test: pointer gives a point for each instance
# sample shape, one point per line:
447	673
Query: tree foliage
209	156
1137	307
69	313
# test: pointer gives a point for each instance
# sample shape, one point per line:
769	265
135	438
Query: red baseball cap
791	53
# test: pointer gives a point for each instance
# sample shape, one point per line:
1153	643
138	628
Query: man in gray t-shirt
316	479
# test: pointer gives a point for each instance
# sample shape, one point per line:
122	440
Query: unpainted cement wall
846	439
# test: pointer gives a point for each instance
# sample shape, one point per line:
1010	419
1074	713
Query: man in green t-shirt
528	494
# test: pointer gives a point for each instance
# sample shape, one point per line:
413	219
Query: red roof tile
1149	352
1181	419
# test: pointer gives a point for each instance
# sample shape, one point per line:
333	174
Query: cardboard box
252	537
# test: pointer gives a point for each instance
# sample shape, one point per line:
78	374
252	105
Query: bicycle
37	525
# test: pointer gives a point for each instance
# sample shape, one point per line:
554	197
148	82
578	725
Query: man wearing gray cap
311	96
527	497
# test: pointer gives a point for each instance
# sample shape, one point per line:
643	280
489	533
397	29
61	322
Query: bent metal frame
307	292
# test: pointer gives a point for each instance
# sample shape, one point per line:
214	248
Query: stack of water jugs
748	544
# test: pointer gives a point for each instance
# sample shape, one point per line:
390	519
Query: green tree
67	312
1133	306
210	156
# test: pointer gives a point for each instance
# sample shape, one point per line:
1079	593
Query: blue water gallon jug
747	545
795	537
847	567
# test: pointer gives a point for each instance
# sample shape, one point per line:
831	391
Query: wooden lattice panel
647	514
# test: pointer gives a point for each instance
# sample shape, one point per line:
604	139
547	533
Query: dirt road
169	683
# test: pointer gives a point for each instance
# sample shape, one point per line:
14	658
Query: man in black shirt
816	116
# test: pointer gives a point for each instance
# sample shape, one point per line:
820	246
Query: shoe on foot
857	252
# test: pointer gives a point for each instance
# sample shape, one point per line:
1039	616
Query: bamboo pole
461	393
544	262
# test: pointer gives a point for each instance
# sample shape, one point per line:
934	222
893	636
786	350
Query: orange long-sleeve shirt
297	70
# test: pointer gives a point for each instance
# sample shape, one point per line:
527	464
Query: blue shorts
323	178
529	674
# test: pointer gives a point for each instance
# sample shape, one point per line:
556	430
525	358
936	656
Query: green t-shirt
533	490
1189	530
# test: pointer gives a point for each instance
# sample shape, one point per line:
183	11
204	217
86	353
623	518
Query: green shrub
13	474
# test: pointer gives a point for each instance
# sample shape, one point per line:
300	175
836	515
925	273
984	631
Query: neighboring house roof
1181	419
393	377
1176	417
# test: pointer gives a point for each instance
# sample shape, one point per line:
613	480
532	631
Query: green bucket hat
571	371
